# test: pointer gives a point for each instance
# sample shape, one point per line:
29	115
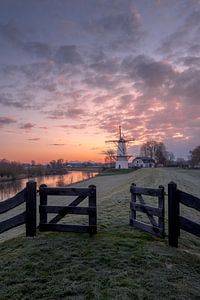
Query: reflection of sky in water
9	189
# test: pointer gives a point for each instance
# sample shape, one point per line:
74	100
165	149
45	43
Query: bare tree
195	155
110	156
155	150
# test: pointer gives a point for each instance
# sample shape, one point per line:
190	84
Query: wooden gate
28	217
176	221
72	208
156	227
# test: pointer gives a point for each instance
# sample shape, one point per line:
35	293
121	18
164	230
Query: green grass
118	263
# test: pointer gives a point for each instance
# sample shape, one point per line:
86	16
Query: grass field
118	263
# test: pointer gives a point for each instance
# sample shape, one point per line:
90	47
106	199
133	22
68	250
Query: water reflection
9	189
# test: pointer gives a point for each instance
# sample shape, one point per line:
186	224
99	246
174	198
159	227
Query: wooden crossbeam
189	226
149	215
188	200
147	208
65	228
148	228
62	213
10	203
67	209
62	191
13	222
146	191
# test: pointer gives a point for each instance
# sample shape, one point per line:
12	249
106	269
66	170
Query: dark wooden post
133	200
43	201
161	205
173	218
31	213
92	214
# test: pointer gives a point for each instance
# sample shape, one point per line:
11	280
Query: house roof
145	159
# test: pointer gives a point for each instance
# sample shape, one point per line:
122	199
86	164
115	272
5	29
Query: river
10	188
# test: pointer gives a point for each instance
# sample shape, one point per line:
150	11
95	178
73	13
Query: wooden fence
156	228
28	217
177	222
72	208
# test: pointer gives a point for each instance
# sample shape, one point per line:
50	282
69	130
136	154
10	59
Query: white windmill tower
121	157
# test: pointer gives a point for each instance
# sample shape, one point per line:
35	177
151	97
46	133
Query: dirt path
113	193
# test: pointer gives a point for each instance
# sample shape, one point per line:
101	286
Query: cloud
18	38
148	71
116	24
101	81
27	126
190	61
143	108
94	83
11	34
185	36
187	87
68	54
73	113
33	139
103	64
125	101
63	54
35	72
194	49
78	126
119	22
57	144
38	49
6	121
25	102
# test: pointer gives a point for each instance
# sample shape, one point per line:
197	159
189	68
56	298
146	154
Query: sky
72	71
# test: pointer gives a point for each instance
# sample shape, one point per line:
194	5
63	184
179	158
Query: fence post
161	205
43	201
93	214
173	217
133	200
31	208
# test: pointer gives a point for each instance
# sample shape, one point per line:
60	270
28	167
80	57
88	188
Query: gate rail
28	217
177	222
156	228
72	208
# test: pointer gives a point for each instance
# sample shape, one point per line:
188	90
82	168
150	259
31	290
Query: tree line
10	168
13	169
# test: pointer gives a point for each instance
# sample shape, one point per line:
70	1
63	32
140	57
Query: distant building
143	162
74	164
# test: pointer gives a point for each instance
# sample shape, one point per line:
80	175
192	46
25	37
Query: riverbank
9	189
30	176
10	179
120	262
51	173
85	169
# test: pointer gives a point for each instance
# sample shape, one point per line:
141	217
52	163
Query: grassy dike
118	263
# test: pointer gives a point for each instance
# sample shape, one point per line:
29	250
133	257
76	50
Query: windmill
121	157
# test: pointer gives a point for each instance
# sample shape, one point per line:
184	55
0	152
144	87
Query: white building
143	162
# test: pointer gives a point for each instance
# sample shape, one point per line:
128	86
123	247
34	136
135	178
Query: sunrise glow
72	71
